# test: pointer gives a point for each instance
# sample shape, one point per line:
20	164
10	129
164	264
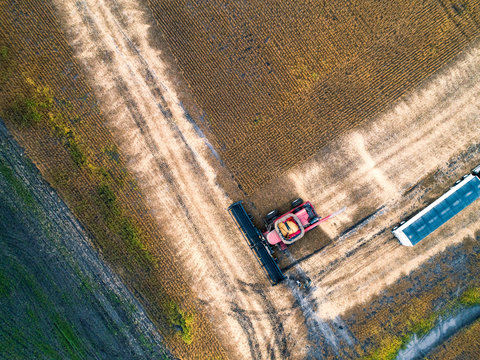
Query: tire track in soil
336	339
273	316
424	133
163	166
173	164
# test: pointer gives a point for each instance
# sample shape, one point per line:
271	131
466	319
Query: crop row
464	345
279	81
95	184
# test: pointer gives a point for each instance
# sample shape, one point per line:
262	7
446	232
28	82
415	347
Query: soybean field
277	81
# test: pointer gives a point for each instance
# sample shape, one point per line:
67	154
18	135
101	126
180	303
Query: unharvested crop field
279	80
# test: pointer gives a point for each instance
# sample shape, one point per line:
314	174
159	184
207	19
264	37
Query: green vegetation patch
68	338
6	63
122	224
16	184
181	321
32	318
24	111
108	197
388	349
131	235
29	107
470	297
70	140
391	345
4	54
5	287
420	326
76	153
34	106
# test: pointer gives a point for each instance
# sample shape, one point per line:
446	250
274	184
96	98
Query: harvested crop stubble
102	195
412	305
279	80
464	345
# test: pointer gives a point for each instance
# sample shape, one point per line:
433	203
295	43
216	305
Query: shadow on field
311	244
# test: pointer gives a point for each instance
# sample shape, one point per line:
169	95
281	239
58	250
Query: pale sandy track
172	164
367	169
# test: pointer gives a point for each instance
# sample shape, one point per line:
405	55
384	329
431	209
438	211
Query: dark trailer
256	242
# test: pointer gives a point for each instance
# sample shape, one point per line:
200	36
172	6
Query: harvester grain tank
290	227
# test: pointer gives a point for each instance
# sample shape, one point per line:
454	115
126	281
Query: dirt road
366	170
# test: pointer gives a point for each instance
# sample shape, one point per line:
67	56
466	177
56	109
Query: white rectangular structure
440	211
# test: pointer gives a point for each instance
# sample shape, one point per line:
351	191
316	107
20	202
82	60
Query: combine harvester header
257	243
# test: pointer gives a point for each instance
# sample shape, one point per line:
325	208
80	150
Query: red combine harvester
284	230
280	230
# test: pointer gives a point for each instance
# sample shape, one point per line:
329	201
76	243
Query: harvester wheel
271	215
297	202
270	250
307	283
